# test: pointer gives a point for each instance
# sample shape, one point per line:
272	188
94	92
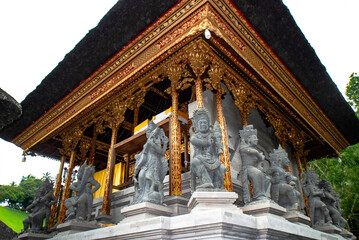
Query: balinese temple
246	62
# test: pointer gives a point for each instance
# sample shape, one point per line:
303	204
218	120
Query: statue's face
157	139
203	125
253	140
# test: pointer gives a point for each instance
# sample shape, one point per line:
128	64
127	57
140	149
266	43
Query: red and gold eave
180	25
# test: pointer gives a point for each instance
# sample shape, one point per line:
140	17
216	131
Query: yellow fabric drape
118	178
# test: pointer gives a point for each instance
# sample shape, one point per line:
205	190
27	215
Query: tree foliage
352	91
20	196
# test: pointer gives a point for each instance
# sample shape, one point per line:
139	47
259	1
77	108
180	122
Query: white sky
37	34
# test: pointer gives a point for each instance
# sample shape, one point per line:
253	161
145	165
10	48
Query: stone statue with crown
318	211
79	207
282	189
206	167
40	208
151	166
332	201
252	169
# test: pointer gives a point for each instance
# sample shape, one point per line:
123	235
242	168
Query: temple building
246	62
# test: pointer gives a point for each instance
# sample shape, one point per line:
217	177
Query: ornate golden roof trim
183	20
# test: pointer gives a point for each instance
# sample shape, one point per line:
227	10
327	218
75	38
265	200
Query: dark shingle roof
127	19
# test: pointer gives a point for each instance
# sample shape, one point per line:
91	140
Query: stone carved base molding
346	234
144	210
201	201
34	236
71	227
329	229
104	219
217	223
297	217
264	208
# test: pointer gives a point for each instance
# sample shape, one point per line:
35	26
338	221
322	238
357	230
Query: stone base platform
220	223
144	210
329	229
297	217
264	208
35	236
201	201
71	227
346	234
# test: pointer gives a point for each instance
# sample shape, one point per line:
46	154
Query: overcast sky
37	34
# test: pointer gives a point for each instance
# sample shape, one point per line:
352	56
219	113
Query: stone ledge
144	210
35	236
220	223
264	207
201	201
75	227
297	217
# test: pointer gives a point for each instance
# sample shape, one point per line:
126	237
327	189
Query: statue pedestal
144	210
104	219
75	227
201	201
264	208
346	234
328	229
296	217
34	236
178	204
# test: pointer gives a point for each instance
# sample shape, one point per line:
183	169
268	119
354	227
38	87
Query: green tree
12	195
352	92
29	185
20	196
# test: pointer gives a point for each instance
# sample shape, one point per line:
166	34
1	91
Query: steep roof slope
271	19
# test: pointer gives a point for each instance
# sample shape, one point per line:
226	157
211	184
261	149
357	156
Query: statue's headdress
247	132
198	114
310	175
150	128
277	155
47	184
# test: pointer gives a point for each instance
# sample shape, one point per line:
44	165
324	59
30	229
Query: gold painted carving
220	17
174	71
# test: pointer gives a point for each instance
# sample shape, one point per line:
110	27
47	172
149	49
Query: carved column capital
197	58
115	114
216	75
84	149
70	138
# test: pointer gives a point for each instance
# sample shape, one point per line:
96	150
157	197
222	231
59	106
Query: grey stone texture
282	182
151	167
252	170
40	209
205	163
79	207
318	211
332	201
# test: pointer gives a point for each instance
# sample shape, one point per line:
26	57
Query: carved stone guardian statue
252	169
282	182
40	208
205	163
332	201
151	167
79	207
318	211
